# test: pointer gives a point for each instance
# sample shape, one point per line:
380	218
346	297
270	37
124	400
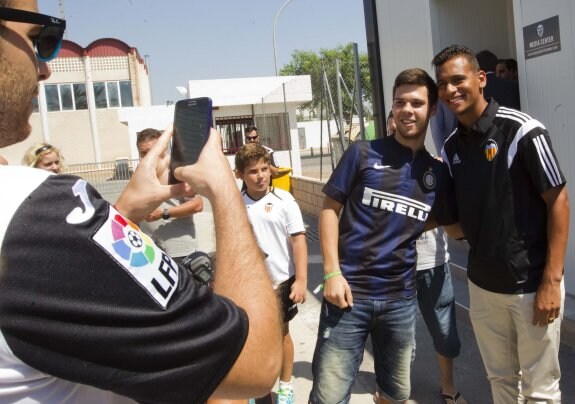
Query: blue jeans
341	339
437	305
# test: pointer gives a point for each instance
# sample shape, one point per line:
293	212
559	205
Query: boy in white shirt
278	225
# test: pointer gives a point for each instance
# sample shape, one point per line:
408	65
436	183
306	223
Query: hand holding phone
192	123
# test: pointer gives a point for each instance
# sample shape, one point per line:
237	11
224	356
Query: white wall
479	25
548	84
313	133
405	42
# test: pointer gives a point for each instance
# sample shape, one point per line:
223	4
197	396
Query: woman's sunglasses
49	40
43	149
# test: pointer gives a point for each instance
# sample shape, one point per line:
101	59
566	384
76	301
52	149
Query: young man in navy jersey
377	202
513	209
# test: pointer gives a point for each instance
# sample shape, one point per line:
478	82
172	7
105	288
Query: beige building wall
87	136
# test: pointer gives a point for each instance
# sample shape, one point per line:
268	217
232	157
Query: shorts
437	305
288	307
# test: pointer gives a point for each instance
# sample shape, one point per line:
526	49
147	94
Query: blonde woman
45	157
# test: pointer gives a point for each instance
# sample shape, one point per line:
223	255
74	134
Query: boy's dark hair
148	134
452	51
487	60
248	153
418	77
251	128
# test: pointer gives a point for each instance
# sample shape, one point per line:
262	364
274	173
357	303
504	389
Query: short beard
14	110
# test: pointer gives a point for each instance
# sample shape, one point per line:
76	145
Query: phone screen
192	123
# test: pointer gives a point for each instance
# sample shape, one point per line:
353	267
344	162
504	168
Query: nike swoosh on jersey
379	166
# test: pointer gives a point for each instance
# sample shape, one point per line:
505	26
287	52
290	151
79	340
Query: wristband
331	275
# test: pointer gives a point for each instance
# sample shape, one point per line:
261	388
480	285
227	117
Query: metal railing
108	177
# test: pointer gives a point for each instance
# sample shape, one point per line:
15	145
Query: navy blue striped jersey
387	195
500	168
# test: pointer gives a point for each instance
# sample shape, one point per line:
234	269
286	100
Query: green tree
308	62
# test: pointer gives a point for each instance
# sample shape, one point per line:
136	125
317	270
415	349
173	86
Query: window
233	129
72	96
126	94
66	97
113	94
80	99
100	95
52	97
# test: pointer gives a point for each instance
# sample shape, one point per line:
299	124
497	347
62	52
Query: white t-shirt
432	249
275	218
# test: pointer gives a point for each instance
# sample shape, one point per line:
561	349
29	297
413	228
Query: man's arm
335	288
299	287
188	208
241	275
454	231
548	298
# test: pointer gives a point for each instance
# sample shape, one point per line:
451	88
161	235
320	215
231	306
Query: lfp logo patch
134	252
131	244
491	150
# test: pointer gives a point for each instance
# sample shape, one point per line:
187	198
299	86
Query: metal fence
109	178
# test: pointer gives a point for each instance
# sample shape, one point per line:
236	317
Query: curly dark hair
452	51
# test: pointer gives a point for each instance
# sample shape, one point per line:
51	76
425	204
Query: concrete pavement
470	376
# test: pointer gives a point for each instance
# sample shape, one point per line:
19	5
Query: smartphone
192	123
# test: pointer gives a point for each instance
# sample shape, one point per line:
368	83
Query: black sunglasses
49	40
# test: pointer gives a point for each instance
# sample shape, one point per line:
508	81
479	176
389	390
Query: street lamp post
274	35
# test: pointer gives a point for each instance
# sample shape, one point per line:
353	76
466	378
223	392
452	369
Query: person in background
390	124
506	69
442	124
505	92
45	157
92	311
171	225
252	136
278	225
436	303
513	209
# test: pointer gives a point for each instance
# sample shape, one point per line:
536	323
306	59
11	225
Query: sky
212	39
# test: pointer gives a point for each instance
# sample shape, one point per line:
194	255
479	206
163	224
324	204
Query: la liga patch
139	256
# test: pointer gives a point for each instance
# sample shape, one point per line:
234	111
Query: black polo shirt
500	168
